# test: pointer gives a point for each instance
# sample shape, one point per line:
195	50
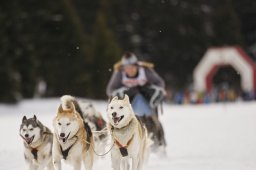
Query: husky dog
73	140
130	137
38	144
93	118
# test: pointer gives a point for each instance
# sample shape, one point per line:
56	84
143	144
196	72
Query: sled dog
38	144
93	118
130	137
73	140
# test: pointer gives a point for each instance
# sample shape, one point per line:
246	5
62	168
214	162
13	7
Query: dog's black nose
114	114
62	135
26	135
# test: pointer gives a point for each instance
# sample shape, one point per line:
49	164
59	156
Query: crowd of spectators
215	95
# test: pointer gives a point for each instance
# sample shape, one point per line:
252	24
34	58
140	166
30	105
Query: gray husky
38	144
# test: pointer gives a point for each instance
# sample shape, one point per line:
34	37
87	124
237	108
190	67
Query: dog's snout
26	135
114	114
62	135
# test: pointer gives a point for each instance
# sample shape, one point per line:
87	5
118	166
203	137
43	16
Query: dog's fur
73	140
155	130
127	132
38	144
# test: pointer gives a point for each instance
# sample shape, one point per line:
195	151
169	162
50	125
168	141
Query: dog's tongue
29	140
116	119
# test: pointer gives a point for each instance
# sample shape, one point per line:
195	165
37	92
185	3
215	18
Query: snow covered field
204	137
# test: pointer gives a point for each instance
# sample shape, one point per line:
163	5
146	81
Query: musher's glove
119	92
157	97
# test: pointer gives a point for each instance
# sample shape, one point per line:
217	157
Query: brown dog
73	140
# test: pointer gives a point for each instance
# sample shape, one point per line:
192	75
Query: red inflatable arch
215	58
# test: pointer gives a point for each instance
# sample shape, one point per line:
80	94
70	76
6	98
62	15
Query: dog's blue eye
59	124
31	129
121	107
68	124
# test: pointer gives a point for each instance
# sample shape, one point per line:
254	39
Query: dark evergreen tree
72	45
175	34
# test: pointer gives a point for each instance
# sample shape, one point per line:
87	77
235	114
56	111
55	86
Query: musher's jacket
146	76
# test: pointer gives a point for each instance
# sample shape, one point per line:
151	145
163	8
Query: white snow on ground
203	137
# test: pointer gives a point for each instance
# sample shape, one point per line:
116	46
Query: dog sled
149	116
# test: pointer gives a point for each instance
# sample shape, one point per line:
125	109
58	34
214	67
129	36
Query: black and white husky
38	144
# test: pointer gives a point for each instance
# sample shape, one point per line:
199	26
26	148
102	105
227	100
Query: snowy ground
206	137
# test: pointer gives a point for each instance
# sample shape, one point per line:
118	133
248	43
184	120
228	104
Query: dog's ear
109	99
60	109
35	118
126	99
114	99
24	119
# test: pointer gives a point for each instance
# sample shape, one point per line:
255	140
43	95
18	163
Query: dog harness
65	152
89	134
123	148
34	153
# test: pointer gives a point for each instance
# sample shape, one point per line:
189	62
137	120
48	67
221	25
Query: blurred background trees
70	46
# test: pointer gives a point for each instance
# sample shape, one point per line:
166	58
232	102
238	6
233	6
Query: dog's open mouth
29	140
117	119
64	139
